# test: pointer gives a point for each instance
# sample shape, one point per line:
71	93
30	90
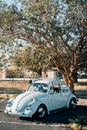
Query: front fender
35	106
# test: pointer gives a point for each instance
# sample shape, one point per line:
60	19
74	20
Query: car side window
56	87
65	89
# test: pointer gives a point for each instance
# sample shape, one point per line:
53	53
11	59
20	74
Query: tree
63	29
32	59
10	44
59	26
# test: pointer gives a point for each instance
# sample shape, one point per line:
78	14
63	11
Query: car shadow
81	93
64	117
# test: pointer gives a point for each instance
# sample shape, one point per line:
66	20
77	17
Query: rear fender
69	99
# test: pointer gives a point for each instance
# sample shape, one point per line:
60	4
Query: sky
9	1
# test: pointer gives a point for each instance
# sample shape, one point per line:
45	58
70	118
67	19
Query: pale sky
12	2
9	1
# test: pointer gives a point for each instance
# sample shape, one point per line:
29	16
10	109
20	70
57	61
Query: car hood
24	99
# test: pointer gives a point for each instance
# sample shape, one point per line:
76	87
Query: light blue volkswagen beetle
43	97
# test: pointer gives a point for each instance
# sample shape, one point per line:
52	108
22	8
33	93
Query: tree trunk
70	83
40	72
74	75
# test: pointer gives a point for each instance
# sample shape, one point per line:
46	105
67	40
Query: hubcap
73	104
41	112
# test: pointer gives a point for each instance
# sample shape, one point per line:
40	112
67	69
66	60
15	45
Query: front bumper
20	114
10	113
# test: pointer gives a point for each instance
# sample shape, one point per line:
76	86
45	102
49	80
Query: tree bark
70	83
74	75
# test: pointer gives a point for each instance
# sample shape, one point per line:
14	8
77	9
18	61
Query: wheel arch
35	115
43	104
71	96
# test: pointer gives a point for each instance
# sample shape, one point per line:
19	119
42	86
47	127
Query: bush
10	74
14	74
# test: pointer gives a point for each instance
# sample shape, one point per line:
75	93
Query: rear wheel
41	111
73	103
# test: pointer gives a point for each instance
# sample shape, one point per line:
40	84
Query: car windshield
42	87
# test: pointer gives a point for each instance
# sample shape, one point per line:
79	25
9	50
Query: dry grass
6	96
80	86
14	84
6	86
23	85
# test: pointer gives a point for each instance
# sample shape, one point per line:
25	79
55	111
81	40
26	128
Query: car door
65	92
55	99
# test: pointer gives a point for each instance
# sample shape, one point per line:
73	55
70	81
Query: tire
73	103
41	111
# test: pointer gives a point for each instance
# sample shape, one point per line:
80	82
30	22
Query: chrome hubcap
41	112
73	104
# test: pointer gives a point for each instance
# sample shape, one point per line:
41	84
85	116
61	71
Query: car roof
46	80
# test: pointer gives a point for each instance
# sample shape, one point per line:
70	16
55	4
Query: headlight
10	102
28	107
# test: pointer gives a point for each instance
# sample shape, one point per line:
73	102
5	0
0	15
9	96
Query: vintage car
43	97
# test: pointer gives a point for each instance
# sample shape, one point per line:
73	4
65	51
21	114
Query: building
2	73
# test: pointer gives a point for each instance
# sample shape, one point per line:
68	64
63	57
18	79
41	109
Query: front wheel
73	103
41	111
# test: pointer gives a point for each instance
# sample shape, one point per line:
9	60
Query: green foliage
10	74
32	58
14	73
